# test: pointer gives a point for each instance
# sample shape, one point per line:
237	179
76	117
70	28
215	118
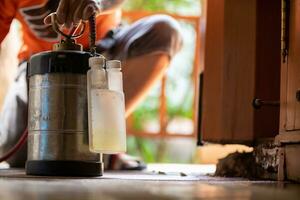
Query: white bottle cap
98	61
113	64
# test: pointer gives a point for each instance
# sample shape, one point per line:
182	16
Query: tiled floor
15	185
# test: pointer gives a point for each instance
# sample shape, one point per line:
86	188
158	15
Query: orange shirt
38	37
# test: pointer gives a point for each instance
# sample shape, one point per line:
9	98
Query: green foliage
177	6
144	148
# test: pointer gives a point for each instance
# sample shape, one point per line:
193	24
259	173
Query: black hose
92	26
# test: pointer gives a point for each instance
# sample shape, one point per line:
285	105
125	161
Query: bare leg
140	75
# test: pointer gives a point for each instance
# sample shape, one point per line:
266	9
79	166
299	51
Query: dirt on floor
243	165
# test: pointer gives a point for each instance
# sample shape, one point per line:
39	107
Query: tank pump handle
71	36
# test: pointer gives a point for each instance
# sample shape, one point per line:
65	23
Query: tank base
64	168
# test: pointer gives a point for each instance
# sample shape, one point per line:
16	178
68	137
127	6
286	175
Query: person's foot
124	162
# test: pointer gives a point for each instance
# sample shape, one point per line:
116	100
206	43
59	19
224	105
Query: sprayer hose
92	41
16	147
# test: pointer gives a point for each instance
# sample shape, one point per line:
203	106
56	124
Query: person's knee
168	31
157	33
165	23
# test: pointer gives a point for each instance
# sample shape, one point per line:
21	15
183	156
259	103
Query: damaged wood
267	156
262	163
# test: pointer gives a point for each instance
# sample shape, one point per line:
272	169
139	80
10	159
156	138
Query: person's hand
70	12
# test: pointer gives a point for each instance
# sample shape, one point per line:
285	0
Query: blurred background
168	112
163	128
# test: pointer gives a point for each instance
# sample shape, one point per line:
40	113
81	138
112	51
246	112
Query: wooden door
289	136
291	71
241	62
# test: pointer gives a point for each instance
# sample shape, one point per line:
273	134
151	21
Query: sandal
125	162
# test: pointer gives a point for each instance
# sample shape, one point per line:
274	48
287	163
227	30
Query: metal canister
58	118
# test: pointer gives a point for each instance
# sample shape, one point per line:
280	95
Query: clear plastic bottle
107	127
96	76
114	75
